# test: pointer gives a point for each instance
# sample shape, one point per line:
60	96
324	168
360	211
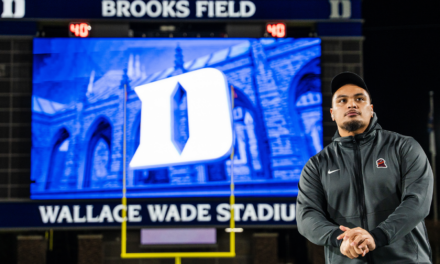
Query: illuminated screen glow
77	116
80	29
276	30
176	236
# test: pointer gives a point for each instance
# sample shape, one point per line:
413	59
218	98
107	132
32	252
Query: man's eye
342	100
360	99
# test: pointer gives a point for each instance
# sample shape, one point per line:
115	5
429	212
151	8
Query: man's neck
345	133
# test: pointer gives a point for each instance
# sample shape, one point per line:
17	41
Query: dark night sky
402	64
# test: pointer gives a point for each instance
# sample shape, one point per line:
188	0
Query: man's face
351	108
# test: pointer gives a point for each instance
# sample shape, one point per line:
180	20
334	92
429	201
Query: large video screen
78	115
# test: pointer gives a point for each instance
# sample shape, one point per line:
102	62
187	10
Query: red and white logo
381	163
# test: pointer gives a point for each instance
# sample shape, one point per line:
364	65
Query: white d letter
205	132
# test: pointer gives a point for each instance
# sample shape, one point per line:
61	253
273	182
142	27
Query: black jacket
378	180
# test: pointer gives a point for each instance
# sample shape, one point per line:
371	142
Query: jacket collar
363	138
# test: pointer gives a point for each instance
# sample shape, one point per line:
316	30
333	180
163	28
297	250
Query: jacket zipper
361	194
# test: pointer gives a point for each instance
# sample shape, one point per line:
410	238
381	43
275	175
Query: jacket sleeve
312	221
417	187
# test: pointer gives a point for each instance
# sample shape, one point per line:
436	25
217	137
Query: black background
402	64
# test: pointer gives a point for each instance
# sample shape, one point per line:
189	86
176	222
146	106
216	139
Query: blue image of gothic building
77	121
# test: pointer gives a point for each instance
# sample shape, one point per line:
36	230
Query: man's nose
352	104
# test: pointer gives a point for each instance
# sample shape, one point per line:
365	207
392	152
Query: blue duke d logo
185	119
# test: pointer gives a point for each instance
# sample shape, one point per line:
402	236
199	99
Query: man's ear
372	110
331	113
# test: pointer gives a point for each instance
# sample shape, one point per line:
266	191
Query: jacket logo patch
381	163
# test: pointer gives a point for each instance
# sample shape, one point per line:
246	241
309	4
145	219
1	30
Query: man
364	197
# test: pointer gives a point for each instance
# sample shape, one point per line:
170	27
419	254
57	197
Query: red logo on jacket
381	163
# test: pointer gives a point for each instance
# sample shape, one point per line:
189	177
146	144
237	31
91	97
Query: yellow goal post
176	255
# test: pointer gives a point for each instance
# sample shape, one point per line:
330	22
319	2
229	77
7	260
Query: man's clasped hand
356	242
